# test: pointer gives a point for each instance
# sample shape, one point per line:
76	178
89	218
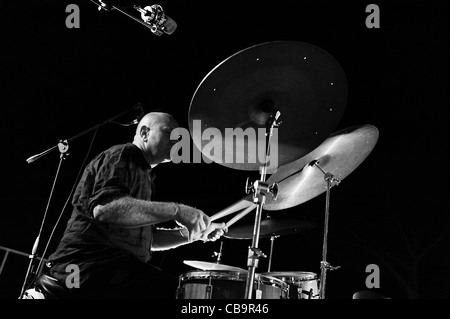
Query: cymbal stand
324	265
218	254
260	189
272	239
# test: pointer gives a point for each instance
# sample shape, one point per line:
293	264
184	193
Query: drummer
112	230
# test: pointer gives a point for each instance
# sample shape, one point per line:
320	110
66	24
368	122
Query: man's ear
143	133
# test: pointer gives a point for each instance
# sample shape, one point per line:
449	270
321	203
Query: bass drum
228	285
302	285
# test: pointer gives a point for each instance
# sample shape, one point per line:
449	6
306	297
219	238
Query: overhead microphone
155	16
152	16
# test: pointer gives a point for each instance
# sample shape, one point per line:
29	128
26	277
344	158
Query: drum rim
214	274
232	275
271	279
298	275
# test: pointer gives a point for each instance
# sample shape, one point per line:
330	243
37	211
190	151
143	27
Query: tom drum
302	285
228	285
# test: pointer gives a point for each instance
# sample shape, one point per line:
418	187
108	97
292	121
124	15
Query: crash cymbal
203	265
300	80
269	227
339	155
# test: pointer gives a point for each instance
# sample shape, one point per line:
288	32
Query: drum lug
309	293
208	292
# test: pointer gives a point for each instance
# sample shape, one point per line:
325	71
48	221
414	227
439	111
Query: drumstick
232	209
240	215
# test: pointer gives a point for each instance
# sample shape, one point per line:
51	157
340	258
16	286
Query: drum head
292	276
226	275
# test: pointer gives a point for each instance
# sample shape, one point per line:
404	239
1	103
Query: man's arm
164	239
130	212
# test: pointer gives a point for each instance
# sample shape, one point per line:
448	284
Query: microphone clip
154	16
63	147
103	6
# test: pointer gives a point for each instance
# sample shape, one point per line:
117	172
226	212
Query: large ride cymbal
302	81
204	265
339	155
269	227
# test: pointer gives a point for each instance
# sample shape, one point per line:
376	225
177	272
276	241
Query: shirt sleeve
112	180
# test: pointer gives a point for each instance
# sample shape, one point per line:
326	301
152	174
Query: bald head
153	136
155	118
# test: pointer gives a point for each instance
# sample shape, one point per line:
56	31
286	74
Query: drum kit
296	93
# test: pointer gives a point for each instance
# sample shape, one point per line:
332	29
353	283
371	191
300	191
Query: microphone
137	106
141	114
159	22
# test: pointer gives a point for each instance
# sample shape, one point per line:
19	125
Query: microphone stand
272	239
37	156
260	189
63	147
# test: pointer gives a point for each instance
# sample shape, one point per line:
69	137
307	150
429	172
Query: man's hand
199	224
214	232
196	221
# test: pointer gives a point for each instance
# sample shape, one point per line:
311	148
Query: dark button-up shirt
90	244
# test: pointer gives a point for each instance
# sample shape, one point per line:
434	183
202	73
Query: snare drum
302	285
228	285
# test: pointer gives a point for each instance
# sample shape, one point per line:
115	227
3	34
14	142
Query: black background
391	211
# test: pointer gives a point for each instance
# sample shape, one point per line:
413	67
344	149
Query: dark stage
391	211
